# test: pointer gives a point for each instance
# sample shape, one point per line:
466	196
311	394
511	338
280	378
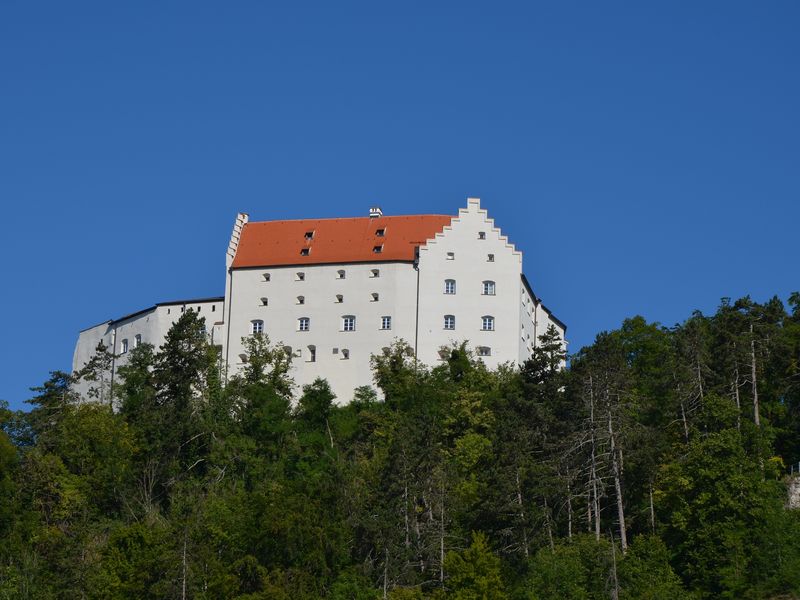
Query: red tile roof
276	243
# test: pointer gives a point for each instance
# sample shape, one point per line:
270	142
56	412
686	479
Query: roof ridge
350	218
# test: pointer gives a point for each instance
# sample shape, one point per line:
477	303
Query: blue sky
644	158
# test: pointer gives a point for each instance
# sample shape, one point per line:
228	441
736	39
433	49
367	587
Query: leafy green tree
474	574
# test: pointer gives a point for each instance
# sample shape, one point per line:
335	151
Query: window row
444	353
310	353
338	299
487	322
452	255
488	288
123	345
340	274
348	323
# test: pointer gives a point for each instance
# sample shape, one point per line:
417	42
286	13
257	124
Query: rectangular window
487	323
348	323
123	347
256	327
481	235
484	351
303	324
488	288
137	341
386	322
449	286
449	322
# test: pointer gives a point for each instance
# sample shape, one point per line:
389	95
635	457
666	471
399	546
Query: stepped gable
335	241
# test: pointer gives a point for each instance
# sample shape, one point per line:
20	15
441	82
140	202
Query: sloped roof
350	240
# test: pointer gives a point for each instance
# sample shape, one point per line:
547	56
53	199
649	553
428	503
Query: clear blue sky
646	159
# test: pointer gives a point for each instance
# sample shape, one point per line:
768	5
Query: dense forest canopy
655	466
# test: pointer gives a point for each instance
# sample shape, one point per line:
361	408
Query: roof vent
375	212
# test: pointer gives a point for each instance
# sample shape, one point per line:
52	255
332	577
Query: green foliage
192	482
474	574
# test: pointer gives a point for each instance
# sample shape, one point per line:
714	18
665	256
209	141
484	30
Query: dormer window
377	249
305	251
340	274
380	232
300	276
309	235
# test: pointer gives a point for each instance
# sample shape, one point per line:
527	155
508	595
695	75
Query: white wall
470	267
395	287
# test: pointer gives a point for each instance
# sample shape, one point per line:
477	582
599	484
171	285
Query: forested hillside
655	466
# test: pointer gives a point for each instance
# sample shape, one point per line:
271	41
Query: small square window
345	354
266	276
481	235
265	302
301	299
377	249
339	298
256	327
305	251
375	297
375	273
380	232
484	351
299	276
340	274
490	258
451	256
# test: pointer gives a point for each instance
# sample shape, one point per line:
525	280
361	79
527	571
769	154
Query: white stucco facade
465	283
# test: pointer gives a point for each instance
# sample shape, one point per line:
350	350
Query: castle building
334	292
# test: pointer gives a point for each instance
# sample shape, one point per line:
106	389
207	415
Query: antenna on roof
375	212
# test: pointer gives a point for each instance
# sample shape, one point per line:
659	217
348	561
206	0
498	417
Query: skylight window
377	249
380	232
309	235
305	251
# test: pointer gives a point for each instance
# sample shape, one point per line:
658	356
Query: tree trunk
596	506
549	528
615	465
756	415
522	517
652	511
569	509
